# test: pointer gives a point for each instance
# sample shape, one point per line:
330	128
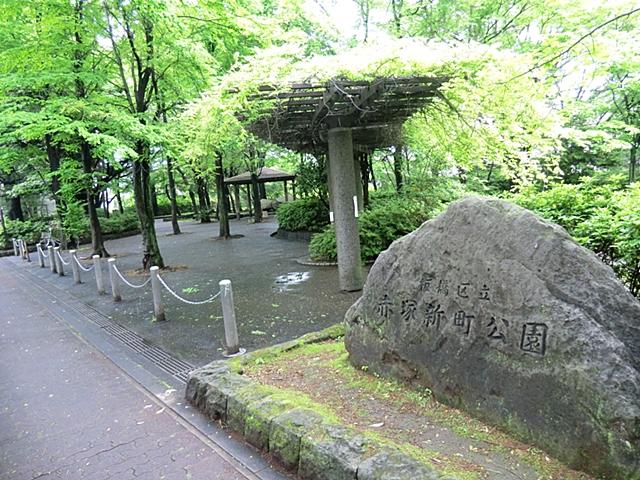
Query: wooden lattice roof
300	116
265	175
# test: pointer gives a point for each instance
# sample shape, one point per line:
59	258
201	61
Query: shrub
120	222
388	218
306	215
76	221
28	230
603	217
164	205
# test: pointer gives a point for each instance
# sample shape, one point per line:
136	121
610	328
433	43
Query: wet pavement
277	299
67	411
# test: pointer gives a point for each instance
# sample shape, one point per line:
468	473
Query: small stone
257	421
237	405
333	453
286	432
219	389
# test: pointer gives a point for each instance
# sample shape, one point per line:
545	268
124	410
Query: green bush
28	230
120	222
601	216
388	218
304	215
164	205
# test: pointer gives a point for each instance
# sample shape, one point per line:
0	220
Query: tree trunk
397	167
119	199
255	194
97	242
207	199
53	155
223	211
194	206
15	209
249	204
105	204
364	175
202	201
373	177
154	201
633	159
172	197
144	208
236	194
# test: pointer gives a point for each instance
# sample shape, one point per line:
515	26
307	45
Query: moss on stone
267	355
286	434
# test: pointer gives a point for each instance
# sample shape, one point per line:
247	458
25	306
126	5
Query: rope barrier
82	267
62	259
44	255
115	268
208	300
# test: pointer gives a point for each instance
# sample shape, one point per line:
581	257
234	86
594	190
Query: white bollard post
74	266
40	255
113	276
229	316
52	259
15	246
59	267
156	289
26	251
21	249
98	269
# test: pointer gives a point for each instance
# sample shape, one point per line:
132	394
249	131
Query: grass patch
315	373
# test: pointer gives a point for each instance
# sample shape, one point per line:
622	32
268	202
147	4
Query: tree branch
576	43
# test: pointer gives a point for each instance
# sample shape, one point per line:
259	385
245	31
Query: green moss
335	359
299	346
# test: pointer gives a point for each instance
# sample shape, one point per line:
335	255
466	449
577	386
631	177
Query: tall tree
131	28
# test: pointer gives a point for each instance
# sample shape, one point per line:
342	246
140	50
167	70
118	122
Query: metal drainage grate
163	360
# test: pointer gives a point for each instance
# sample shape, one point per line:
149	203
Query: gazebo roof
300	117
265	175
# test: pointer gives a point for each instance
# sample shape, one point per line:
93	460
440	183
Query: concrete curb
299	438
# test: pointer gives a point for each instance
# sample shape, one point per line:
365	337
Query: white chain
61	259
127	282
82	267
44	255
208	300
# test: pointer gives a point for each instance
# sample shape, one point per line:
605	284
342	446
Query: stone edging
301	439
314	263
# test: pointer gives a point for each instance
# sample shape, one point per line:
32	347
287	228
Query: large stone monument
502	314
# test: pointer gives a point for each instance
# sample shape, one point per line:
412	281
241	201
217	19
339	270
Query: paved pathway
66	411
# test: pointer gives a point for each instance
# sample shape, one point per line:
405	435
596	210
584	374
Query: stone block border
313	445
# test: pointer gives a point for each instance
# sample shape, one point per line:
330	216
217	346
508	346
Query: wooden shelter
338	117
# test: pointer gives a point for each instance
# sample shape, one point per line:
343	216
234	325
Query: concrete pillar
343	188
156	290
229	317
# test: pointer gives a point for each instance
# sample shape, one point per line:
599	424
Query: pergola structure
337	117
265	175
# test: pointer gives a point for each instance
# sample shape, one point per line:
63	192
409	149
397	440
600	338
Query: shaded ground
276	298
445	437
